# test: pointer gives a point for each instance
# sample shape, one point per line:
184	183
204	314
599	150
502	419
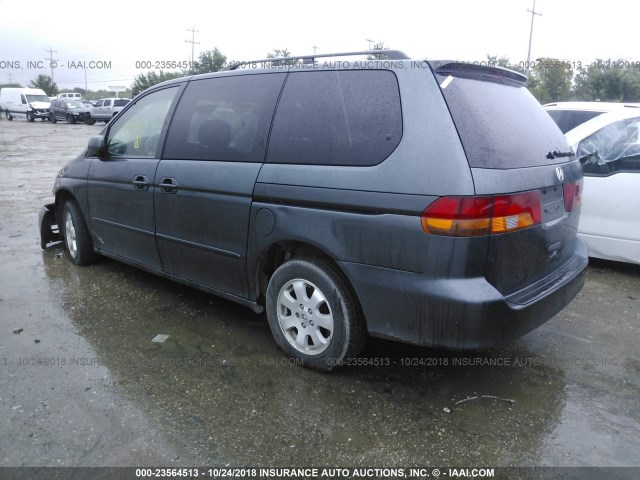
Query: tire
30	117
53	118
313	315
88	120
105	120
77	240
71	119
9	116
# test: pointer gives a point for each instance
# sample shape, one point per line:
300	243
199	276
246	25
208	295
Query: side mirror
96	146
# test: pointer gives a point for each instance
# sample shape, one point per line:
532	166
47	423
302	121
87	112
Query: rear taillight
471	216
572	192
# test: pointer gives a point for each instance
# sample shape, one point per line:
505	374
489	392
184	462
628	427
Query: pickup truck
105	109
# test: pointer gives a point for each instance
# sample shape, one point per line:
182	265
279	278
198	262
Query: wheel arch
280	252
63	196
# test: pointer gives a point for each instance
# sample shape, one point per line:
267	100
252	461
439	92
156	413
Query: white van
70	96
31	103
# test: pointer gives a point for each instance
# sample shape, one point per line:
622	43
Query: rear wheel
77	240
9	116
313	314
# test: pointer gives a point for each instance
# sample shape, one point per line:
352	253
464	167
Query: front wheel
30	117
77	240
9	116
313	314
53	118
88	120
71	119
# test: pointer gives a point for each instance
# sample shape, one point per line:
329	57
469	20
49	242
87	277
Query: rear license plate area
552	203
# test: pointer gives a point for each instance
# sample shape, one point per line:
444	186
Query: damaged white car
608	147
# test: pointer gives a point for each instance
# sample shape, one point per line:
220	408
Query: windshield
75	104
570	119
37	98
610	148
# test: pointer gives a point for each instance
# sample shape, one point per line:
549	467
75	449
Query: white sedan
608	147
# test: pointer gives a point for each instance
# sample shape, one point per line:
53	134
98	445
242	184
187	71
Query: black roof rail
390	54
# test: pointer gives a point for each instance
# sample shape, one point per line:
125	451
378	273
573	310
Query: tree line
603	80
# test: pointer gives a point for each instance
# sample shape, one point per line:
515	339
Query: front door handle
141	182
169	185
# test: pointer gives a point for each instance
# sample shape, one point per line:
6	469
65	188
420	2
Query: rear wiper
556	154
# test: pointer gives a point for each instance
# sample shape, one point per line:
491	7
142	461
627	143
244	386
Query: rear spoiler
472	70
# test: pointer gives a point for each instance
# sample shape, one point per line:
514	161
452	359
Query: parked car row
33	103
74	111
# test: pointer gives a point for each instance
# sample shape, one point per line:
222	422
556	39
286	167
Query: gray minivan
434	203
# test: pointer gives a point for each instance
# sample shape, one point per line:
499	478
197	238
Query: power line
192	41
51	60
533	14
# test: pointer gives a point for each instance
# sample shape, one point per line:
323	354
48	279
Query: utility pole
10	78
314	49
533	14
51	60
370	42
192	41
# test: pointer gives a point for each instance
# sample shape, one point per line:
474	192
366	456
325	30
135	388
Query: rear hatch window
501	125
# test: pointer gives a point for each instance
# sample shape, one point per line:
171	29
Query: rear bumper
460	313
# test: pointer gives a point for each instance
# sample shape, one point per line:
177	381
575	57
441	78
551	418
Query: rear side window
337	118
501	124
570	119
224	118
120	103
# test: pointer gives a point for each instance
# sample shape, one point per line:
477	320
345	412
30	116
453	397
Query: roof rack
390	54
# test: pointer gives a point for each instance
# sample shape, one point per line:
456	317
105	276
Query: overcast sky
116	34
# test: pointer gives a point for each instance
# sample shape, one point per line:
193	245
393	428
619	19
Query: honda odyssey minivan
428	202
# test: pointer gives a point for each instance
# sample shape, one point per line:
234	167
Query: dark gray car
434	203
71	111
